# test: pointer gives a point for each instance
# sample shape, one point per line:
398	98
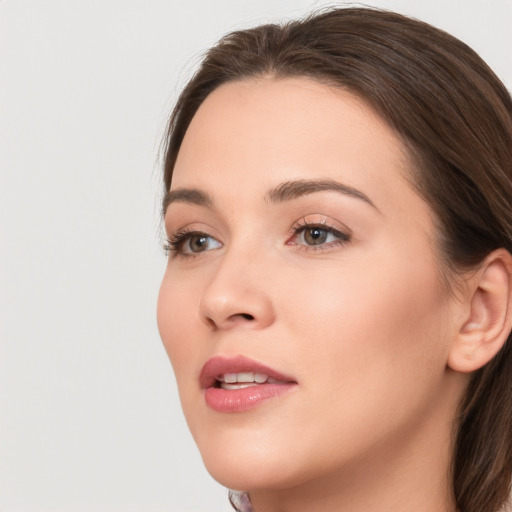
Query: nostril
233	318
241	316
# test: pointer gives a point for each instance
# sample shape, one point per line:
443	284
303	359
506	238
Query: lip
239	400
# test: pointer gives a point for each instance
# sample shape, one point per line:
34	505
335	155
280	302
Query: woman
336	304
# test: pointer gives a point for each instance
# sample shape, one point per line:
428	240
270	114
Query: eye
314	235
191	243
198	243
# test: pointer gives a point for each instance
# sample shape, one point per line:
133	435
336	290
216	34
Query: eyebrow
187	196
286	191
294	189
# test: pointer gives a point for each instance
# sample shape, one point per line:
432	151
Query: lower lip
239	400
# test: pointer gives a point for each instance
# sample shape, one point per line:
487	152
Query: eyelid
321	221
176	238
174	228
341	231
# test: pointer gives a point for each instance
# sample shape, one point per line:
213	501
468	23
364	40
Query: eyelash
343	238
173	246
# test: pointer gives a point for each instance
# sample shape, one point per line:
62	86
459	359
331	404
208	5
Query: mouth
239	384
243	380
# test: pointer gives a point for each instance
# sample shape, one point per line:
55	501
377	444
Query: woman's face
301	259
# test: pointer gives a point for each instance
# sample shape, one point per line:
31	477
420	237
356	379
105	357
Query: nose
238	295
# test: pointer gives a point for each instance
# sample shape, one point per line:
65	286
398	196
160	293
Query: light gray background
89	415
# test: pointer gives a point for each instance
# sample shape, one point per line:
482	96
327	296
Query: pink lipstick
237	384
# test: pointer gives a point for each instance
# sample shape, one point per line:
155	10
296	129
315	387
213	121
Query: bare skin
337	287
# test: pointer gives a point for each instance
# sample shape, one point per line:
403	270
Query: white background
89	415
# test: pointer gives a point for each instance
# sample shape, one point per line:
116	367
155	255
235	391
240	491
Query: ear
488	320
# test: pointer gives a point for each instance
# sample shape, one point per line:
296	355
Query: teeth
244	378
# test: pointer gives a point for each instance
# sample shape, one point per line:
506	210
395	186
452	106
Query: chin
249	469
246	476
234	478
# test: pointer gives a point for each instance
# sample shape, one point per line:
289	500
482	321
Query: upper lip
217	366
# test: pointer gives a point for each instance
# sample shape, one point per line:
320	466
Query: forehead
249	136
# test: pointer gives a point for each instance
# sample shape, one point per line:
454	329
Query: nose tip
227	305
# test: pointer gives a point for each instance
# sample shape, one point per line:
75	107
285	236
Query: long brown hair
455	118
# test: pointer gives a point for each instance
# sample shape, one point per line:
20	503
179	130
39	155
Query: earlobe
486	327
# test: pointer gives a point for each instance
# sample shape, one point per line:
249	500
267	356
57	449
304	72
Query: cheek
370	352
176	313
375	328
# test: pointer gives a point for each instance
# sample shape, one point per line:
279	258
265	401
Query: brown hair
455	118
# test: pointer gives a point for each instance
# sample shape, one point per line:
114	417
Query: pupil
315	236
198	243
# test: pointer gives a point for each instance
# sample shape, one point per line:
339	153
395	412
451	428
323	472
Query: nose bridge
238	293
